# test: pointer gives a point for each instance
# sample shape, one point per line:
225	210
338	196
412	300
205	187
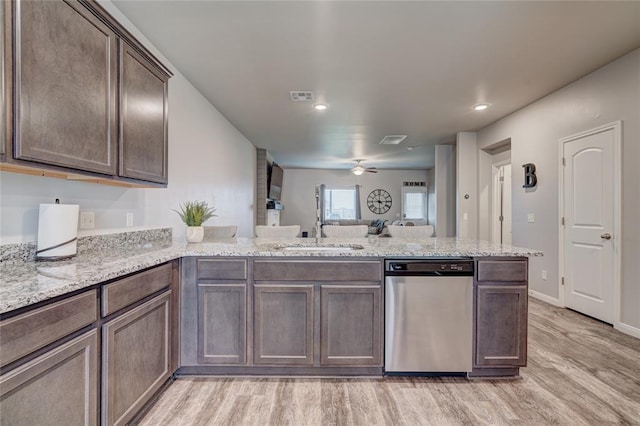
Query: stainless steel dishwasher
428	315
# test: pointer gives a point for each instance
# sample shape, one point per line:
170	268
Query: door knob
606	236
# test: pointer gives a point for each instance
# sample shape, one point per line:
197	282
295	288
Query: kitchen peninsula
245	306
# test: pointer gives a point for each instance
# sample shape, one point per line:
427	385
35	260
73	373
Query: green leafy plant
195	213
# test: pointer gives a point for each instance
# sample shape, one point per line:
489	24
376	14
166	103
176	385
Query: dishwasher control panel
457	266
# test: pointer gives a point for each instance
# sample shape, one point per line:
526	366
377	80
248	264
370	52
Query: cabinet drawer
122	293
320	270
35	329
222	269
501	270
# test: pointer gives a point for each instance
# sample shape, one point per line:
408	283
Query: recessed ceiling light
320	107
480	107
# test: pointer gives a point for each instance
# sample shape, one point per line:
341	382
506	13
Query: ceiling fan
358	169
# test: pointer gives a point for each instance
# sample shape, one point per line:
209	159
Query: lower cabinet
136	358
500	317
283	324
282	316
350	325
501	326
222	323
57	388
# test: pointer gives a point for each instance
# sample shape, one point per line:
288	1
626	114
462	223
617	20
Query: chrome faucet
318	224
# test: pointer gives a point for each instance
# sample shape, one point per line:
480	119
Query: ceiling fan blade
371	170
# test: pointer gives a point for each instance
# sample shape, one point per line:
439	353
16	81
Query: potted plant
194	214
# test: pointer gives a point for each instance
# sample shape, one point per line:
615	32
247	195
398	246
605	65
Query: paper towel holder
57	244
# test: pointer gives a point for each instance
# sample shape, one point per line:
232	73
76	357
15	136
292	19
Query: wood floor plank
580	372
389	408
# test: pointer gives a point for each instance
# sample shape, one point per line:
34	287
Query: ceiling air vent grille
301	96
392	139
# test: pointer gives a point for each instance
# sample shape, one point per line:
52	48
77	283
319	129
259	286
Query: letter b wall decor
530	178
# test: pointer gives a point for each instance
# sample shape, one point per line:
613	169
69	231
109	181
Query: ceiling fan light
357	170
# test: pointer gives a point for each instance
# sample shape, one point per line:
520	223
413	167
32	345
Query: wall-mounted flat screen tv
275	182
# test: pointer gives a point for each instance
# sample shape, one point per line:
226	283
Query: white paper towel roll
57	230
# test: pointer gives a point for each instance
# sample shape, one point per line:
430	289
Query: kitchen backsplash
25	252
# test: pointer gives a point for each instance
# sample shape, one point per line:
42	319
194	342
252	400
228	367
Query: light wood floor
580	372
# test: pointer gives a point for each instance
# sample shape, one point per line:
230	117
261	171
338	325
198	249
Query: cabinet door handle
606	236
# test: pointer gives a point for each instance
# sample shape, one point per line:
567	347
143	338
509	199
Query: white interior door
506	204
589	212
502	204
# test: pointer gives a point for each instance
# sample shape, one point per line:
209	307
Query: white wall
208	160
609	94
298	191
467	184
445	189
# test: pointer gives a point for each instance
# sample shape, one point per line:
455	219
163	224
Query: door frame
495	168
616	126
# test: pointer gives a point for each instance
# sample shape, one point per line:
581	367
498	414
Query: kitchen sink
319	247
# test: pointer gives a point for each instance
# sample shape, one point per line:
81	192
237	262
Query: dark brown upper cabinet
4	80
65	86
81	96
143	117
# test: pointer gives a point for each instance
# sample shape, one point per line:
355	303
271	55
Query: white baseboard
545	298
627	329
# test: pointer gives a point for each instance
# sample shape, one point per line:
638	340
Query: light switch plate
129	219
531	218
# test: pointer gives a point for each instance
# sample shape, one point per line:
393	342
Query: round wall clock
379	201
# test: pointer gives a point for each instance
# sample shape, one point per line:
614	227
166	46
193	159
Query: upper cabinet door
143	117
65	86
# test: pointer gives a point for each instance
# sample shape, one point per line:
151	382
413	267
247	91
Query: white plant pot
194	234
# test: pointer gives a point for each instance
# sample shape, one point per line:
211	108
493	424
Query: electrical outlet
531	218
465	216
544	274
87	220
129	219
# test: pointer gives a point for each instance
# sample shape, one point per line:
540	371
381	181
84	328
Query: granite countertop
23	283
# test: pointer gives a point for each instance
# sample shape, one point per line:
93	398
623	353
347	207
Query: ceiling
383	67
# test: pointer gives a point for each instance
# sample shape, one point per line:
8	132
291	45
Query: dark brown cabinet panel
317	270
23	334
221	269
222	323
351	325
501	326
65	86
122	293
5	78
136	358
283	324
57	388
503	270
143	118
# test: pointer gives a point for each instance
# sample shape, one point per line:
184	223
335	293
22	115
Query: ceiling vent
392	139
301	96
